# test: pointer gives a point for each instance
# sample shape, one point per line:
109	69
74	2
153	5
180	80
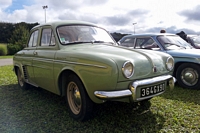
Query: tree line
15	35
7	30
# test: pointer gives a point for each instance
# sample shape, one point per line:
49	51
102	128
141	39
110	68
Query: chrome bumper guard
133	87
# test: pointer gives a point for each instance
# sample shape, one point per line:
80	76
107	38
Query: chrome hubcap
189	76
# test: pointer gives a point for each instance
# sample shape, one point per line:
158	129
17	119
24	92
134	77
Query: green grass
38	111
5	57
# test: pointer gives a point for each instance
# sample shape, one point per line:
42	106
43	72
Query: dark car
187	58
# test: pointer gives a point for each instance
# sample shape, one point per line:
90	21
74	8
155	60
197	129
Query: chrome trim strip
28	64
113	94
41	67
43	60
78	63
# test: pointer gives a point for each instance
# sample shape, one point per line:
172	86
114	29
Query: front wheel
79	104
22	84
188	76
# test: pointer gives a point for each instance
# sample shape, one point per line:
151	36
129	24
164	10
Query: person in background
183	35
162	31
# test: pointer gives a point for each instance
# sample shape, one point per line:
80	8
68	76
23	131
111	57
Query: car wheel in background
20	80
79	104
188	76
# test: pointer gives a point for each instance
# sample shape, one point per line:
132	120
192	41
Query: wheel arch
15	69
179	64
63	78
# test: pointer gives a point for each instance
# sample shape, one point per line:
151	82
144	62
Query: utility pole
45	7
134	26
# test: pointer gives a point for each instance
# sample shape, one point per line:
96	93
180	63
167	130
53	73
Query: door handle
35	53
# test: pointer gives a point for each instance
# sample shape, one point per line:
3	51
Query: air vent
25	72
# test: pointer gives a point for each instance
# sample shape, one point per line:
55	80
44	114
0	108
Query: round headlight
170	63
128	69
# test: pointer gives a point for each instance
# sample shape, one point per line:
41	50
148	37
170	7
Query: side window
139	42
48	38
146	43
128	42
33	39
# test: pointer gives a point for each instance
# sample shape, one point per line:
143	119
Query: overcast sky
113	15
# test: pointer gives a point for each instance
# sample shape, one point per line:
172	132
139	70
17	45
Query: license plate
152	90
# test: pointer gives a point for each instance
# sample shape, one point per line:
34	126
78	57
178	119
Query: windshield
173	42
83	34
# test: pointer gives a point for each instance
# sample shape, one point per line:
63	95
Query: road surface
5	62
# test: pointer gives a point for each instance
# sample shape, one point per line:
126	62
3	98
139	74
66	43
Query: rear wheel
188	76
79	104
22	84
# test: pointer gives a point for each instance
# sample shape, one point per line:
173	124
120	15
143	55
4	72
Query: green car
82	62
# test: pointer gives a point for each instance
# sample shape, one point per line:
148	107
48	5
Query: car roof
149	34
192	35
65	22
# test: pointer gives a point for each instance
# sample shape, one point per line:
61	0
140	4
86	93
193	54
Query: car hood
191	53
143	60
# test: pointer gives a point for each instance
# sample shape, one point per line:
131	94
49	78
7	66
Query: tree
18	39
5	31
19	36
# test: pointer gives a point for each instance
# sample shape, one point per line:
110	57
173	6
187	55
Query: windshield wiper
101	42
97	41
77	42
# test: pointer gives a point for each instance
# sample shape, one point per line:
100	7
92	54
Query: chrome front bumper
131	92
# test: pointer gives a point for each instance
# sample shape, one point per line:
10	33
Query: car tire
79	104
22	84
187	76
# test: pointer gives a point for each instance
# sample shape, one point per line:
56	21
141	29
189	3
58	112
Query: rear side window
33	39
145	43
47	38
128	42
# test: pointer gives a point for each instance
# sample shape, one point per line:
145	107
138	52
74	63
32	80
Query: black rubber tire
191	81
79	104
20	79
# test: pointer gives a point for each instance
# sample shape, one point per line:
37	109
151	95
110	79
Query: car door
27	56
44	59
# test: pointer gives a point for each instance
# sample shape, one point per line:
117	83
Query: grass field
5	57
38	111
